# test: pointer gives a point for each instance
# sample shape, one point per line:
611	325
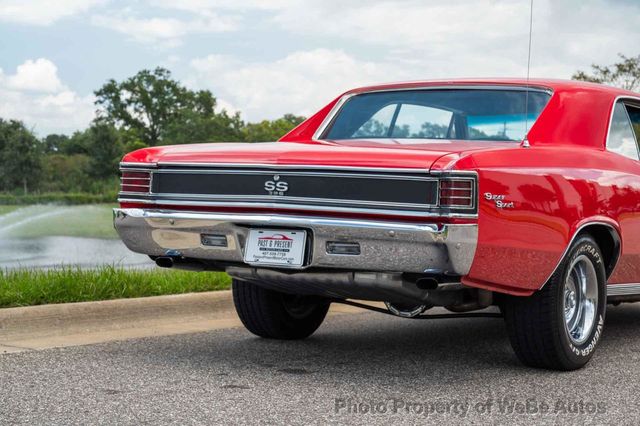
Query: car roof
541	83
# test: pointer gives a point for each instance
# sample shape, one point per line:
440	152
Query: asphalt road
359	368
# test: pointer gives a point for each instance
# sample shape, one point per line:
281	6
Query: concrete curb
72	324
68	324
122	313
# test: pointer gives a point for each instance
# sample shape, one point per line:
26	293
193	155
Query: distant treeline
147	109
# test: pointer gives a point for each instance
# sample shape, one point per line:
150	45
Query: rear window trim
625	100
321	132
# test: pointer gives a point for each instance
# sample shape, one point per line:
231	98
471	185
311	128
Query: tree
20	155
193	127
266	130
54	143
106	150
149	101
624	74
66	173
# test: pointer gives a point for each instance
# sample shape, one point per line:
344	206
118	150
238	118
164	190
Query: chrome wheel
580	300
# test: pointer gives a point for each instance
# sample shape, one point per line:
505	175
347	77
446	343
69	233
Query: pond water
51	236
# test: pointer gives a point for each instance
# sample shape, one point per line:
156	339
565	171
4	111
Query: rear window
621	138
467	114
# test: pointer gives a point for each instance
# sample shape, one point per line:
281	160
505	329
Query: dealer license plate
275	247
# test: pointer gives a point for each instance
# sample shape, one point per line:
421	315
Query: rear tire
560	325
275	315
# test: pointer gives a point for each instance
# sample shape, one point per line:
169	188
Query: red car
461	194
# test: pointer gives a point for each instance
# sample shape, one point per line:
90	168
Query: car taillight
456	192
135	182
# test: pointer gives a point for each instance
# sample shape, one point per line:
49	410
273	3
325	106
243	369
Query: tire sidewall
580	354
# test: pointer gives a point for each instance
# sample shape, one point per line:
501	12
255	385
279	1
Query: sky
266	58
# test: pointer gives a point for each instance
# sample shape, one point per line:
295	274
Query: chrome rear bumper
384	246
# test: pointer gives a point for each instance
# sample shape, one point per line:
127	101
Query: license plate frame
276	247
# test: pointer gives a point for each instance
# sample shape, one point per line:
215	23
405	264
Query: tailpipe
174	259
164	261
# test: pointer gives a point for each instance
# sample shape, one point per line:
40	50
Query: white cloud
475	37
299	83
40	75
409	23
207	6
42	12
455	38
36	96
166	30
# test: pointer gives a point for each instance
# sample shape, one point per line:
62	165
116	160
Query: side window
378	125
634	116
417	121
621	137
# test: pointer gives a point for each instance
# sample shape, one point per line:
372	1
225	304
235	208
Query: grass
26	287
91	221
7	209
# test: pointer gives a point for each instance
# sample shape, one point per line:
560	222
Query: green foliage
55	143
19	156
624	74
25	287
106	150
149	102
192	127
266	130
68	198
62	173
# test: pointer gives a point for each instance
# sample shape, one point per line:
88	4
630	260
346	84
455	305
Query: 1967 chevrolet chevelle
465	194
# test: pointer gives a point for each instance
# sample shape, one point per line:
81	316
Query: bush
58	198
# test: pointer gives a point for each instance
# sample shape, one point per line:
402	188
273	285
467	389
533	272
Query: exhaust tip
164	262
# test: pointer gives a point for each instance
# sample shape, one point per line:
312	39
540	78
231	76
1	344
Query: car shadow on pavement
392	348
368	344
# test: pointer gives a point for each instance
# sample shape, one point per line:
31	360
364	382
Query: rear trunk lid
376	153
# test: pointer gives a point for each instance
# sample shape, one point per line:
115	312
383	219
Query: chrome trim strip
144	167
153	167
284	220
575	234
273	198
630	289
276	206
300	173
141	194
296	166
330	115
151	183
338	106
471	86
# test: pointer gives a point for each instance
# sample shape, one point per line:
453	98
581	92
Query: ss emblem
276	186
